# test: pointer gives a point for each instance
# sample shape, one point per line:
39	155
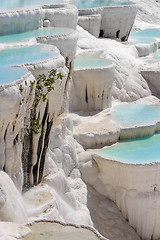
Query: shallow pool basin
90	61
141	40
18	4
93	77
130	173
42	32
27	54
81	4
50	231
136	151
146	36
129	115
10	74
150	32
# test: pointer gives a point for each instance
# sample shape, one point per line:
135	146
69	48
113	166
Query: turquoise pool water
10	4
129	115
150	32
137	151
16	4
21	55
88	61
144	40
82	4
144	36
51	31
10	74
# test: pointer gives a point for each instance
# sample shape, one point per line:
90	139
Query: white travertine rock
30	19
20	21
139	131
12	231
107	218
100	129
117	21
68	202
132	196
91	88
15	111
91	23
105	215
11	123
146	49
55	200
128	85
153	79
66	43
62	15
11	203
148	12
96	133
62	146
141	177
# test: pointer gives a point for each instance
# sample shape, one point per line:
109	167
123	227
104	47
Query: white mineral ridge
148	11
12	208
12	231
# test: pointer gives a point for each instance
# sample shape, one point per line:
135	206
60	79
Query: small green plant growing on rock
31	86
39	124
21	88
44	85
36	125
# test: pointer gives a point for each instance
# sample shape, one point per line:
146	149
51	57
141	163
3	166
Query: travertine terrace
64	71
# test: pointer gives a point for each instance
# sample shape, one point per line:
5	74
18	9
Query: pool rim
40	7
17	81
92	229
99	8
96	55
70	32
94	154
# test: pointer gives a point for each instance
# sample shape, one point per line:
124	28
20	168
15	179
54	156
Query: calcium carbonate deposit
80	120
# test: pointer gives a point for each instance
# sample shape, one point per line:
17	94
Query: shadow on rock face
107	219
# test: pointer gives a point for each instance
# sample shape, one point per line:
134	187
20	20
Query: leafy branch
44	85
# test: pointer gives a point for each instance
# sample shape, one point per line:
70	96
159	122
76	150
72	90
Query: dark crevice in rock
69	76
102	97
43	155
15	140
13	127
117	34
124	38
67	61
86	96
102	94
40	145
64	107
101	33
27	158
27	152
6	132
